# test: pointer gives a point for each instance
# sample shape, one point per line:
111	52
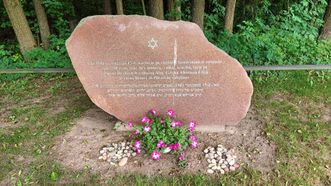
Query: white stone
206	151
214	168
232	162
232	168
213	161
210	171
211	165
112	163
222	171
123	162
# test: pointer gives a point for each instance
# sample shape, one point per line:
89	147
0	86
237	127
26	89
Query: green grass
291	104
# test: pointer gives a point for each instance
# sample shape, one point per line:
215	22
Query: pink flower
147	128
153	111
160	144
191	129
145	119
137	132
130	124
174	146
170	112
181	156
156	155
173	124
192	124
194	144
162	121
138	151
137	144
193	138
179	123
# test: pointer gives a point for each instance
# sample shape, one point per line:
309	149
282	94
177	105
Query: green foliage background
267	32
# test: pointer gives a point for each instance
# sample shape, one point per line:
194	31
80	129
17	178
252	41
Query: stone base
220	128
97	115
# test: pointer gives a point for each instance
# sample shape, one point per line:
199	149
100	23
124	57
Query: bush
163	135
288	38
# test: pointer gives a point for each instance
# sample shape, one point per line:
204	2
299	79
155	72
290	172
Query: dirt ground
79	148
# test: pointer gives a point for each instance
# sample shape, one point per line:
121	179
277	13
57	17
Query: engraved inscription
156	78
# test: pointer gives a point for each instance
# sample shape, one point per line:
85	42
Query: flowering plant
163	134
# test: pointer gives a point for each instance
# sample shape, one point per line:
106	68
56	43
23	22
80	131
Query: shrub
164	134
288	38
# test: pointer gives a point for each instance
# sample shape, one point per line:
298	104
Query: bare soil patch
79	148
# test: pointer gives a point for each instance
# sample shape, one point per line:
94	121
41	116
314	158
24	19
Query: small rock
112	163
232	168
214	168
206	151
210	171
211	165
213	161
231	162
223	166
134	154
222	171
123	162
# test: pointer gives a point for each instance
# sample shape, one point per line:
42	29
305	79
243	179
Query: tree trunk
143	5
107	6
43	23
20	25
174	8
119	7
198	12
156	8
326	30
229	16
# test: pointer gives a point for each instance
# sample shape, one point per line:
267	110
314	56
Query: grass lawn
295	108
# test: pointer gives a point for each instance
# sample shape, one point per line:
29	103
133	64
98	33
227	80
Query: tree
156	8
119	7
174	8
198	12
229	16
107	6
326	30
43	23
20	25
143	5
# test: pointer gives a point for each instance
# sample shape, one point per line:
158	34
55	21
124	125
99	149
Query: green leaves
54	176
164	132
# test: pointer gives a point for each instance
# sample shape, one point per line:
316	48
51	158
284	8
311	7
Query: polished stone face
130	64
